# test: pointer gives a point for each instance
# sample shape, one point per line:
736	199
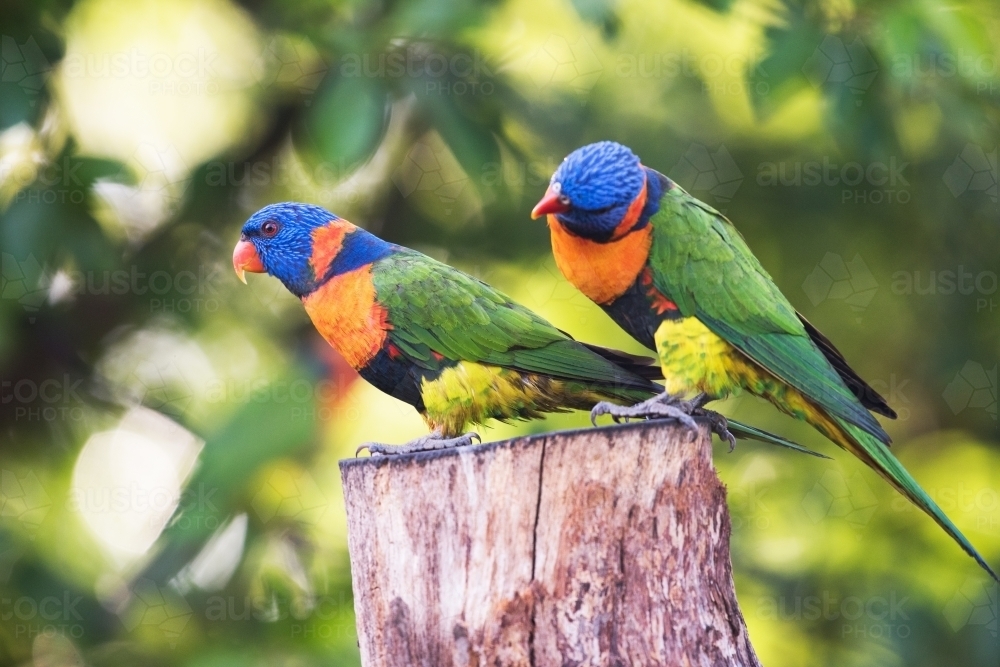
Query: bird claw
719	425
421	444
664	406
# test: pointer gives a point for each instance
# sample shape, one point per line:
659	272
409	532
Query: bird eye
269	228
564	200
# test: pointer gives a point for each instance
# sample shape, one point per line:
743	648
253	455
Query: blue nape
360	248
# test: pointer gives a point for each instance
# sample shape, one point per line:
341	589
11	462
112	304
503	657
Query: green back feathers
434	307
701	262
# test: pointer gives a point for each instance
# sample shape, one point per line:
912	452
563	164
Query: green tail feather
878	456
750	433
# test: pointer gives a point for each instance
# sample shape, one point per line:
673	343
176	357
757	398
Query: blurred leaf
260	432
347	121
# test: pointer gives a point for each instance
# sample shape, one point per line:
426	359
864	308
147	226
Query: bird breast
602	271
345	312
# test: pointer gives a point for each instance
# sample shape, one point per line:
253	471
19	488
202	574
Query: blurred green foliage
169	490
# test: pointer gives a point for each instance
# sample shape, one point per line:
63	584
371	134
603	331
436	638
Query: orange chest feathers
345	313
602	271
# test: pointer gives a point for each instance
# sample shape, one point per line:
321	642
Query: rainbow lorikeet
448	344
679	278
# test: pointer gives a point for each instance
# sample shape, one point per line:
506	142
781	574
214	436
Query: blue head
594	188
303	246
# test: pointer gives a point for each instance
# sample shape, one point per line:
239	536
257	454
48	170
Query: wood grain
603	546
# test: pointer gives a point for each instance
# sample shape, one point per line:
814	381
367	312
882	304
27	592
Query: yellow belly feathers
472	393
694	359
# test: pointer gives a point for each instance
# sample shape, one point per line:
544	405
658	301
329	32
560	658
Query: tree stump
604	546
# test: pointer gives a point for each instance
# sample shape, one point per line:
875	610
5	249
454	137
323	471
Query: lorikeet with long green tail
677	276
448	344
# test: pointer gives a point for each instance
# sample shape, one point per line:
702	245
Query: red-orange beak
245	258
552	202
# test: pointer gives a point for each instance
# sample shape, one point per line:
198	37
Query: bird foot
719	425
663	406
424	443
692	406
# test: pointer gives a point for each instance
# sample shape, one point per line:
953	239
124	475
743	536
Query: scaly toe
464	440
382	449
646	409
421	444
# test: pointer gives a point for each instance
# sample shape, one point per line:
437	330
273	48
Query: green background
169	436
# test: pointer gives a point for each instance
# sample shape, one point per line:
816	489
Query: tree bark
603	546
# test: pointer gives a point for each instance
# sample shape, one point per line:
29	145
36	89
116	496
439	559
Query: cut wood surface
604	546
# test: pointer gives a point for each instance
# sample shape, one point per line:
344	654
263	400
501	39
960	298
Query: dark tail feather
647	368
868	396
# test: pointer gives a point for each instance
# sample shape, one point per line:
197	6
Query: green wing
701	262
435	308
